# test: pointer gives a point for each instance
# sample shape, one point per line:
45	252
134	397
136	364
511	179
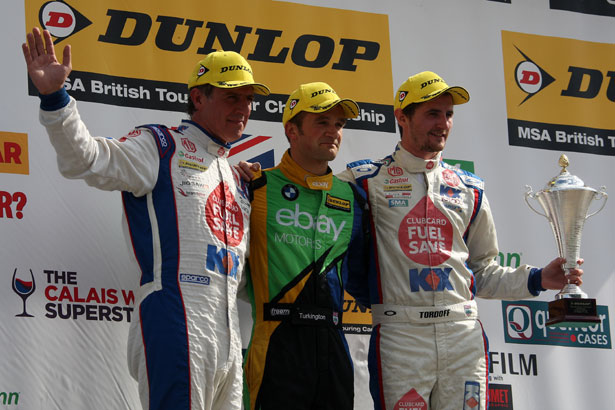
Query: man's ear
291	130
400	116
197	97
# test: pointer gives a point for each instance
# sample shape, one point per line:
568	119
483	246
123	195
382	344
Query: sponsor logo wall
559	93
539	87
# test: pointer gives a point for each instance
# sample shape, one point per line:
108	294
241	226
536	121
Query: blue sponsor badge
198	279
397	202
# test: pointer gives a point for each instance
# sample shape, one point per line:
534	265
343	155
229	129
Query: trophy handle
530	194
600	194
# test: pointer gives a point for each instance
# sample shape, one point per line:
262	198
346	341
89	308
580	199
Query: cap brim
460	95
261	89
351	108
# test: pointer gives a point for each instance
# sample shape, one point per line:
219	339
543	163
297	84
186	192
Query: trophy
566	201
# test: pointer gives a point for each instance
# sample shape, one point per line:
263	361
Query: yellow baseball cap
225	69
425	86
317	97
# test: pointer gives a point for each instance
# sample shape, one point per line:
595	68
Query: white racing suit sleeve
492	280
347	176
127	164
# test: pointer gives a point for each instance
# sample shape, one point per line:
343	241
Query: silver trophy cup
566	202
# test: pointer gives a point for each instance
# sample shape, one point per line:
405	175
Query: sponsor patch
450	178
425	234
393	181
198	279
451	196
471	397
405	187
188	145
182	163
395	171
395	195
412	400
337	203
290	192
398	202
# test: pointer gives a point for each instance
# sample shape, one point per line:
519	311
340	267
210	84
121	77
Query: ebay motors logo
426	240
525	323
297	218
61	20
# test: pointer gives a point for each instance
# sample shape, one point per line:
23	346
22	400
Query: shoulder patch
363	168
468	178
163	137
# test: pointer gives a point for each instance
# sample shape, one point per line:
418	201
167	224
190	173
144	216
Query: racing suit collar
215	145
416	164
306	179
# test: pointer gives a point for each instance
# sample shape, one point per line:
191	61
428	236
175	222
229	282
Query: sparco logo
61	20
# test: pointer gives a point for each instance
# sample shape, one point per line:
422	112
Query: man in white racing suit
186	217
435	249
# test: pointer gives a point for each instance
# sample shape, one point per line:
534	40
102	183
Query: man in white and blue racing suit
186	218
435	249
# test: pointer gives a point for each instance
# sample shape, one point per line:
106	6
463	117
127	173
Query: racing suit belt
301	314
386	313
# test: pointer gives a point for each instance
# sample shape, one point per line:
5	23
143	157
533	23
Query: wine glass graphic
24	289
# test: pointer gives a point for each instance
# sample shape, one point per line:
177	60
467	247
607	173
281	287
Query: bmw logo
290	192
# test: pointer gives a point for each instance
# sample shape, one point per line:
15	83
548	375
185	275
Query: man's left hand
555	277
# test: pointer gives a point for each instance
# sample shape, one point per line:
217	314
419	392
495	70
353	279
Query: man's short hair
298	121
206	90
408	111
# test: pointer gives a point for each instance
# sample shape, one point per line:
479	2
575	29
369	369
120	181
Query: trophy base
573	312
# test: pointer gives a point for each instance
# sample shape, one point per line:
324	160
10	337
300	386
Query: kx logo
430	279
449	192
222	260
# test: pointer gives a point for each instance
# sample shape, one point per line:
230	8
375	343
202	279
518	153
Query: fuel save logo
559	93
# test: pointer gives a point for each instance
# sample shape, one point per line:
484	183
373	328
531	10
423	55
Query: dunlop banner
560	93
140	53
